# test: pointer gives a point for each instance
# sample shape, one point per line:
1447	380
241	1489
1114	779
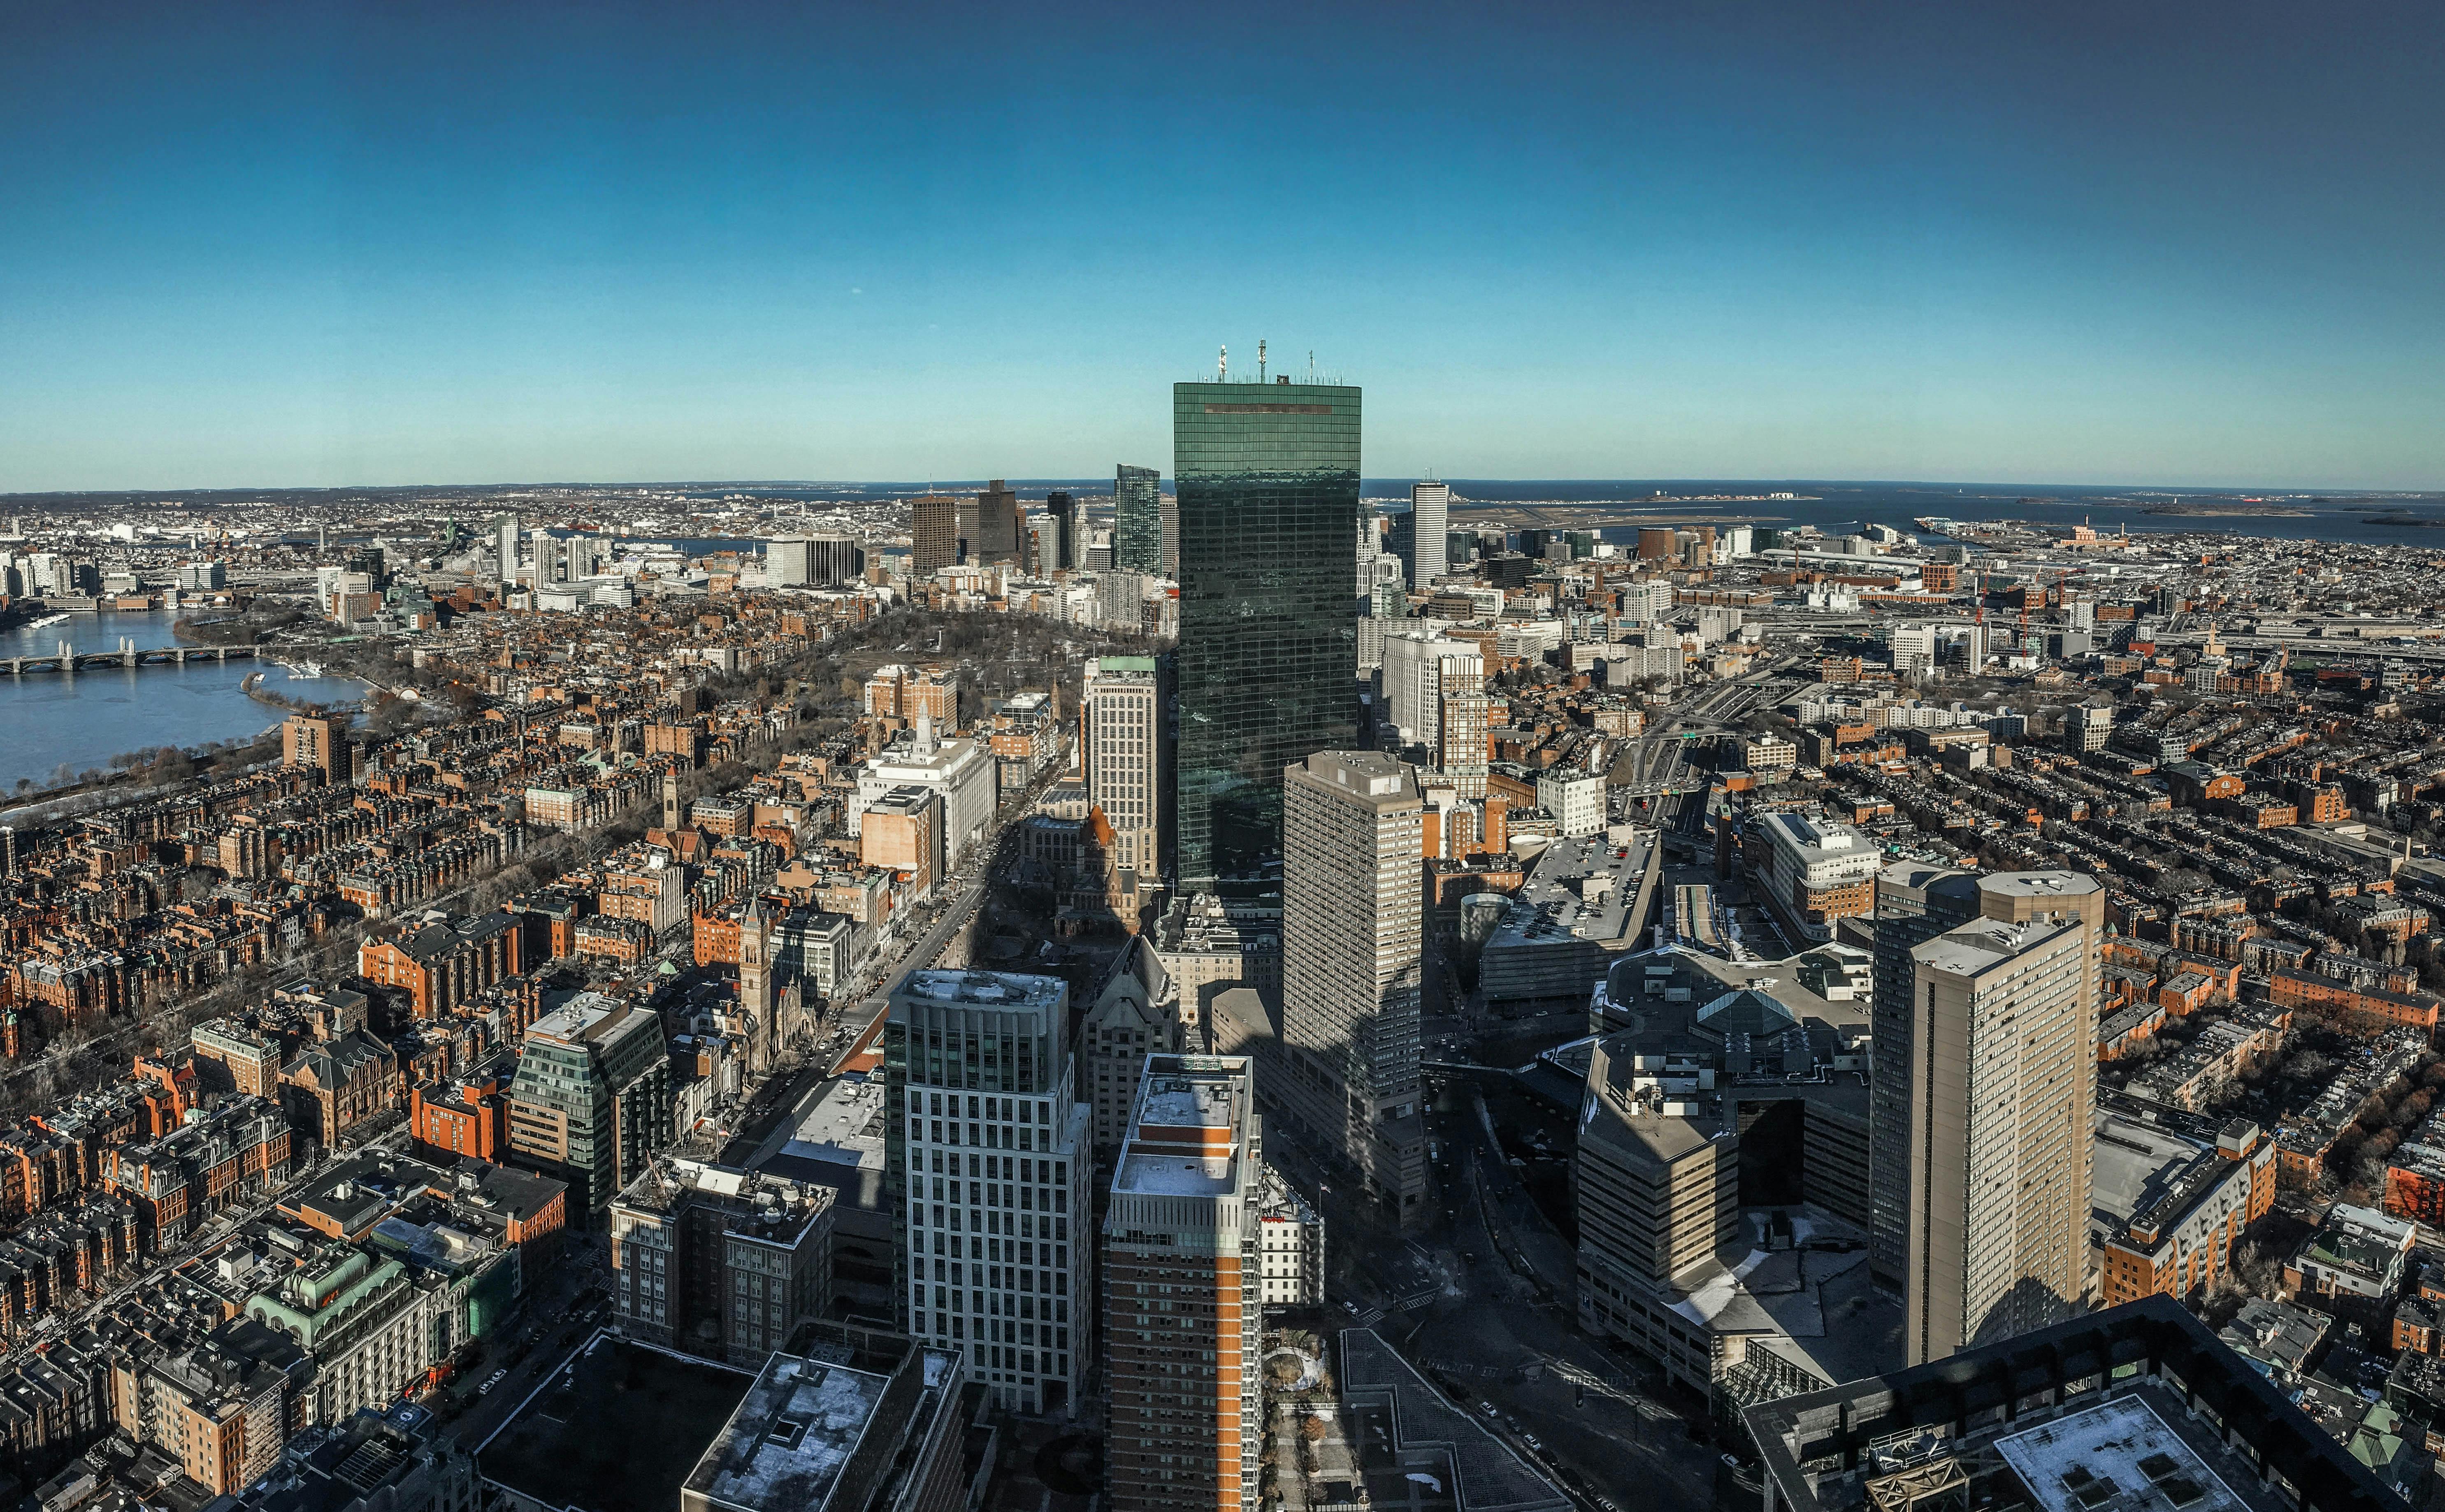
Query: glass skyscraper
1267	477
1137	520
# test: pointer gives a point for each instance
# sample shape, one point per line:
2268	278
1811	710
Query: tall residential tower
987	1165
2002	1058
1182	1296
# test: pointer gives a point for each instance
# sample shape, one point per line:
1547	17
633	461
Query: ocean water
1834	507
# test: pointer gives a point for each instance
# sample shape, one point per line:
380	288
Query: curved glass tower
1267	479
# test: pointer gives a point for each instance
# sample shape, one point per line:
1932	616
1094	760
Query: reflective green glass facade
1267	479
1137	519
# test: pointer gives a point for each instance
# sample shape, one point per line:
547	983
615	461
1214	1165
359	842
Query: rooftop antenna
1223	367
1260	359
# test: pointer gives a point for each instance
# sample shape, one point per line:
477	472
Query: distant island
2413	521
2211	508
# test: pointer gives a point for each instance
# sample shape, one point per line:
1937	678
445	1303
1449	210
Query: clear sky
402	242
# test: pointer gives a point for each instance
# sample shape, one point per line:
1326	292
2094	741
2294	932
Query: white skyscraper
1429	514
1420	671
508	539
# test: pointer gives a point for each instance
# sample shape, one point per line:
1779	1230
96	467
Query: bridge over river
66	660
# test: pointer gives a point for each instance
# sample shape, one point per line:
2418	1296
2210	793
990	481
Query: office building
2129	1409
1817	871
865	1421
1575	799
506	543
1122	709
1268	487
592	1099
1137	519
2003	1082
786	563
1414	678
1646	603
935	534
1168	513
1430	510
961	771
833	559
1069	531
2088	726
1461	750
1351	958
1182	1306
718	1260
1000	537
987	1159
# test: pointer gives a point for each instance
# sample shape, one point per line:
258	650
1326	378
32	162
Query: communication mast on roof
1223	367
1260	359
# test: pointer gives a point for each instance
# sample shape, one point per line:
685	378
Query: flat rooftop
1577	888
581	1018
2117	1456
984	989
1985	944
794	1432
1183	1137
616	1431
1430	1434
2136	1163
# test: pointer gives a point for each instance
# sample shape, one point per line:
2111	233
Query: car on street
492	1380
1486	1408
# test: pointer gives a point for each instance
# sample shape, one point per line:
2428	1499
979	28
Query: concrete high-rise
2003	1041
1915	904
1430	510
1137	519
1182	1296
987	1155
1353	827
786	564
935	530
506	543
1121	705
1269	506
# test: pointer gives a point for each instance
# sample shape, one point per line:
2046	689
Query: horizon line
160	493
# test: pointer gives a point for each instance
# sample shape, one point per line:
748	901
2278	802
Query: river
48	722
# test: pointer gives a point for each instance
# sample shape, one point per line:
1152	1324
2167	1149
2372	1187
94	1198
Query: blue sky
420	243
